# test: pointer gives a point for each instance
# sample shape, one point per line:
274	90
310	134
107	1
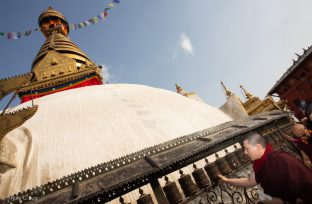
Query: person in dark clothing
303	141
280	174
307	121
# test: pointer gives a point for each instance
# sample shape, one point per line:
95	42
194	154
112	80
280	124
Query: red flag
105	14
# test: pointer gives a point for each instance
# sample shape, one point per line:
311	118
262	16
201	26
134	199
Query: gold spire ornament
59	61
227	92
191	95
180	90
247	93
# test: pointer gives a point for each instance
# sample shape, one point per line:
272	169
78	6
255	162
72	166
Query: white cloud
186	44
105	73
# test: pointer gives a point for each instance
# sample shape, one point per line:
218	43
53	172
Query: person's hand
287	137
222	178
308	163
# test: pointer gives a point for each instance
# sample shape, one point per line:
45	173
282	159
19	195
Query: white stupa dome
79	128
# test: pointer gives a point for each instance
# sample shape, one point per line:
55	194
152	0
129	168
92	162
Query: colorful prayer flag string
75	26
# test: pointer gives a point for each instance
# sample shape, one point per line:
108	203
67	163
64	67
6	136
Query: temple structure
235	107
295	84
69	142
60	64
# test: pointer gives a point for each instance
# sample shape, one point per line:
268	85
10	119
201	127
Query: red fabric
284	176
88	82
257	164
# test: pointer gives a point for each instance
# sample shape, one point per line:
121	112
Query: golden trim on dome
61	79
14	83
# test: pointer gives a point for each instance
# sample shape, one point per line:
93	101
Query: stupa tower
60	64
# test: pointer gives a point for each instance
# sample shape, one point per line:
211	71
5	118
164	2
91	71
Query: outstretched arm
249	181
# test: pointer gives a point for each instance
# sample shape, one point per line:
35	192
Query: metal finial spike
247	93
297	55
227	92
293	61
194	166
181	172
235	147
166	178
180	90
304	50
206	160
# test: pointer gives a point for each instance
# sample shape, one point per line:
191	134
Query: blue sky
159	43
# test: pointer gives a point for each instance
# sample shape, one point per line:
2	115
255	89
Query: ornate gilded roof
296	64
63	45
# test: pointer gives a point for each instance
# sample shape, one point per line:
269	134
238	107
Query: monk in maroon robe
281	175
303	141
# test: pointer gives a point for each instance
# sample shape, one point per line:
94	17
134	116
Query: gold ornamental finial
227	92
178	88
247	93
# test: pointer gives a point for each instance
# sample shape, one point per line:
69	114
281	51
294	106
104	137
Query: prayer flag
81	25
100	16
87	23
103	15
95	19
110	5
27	32
71	27
9	36
14	36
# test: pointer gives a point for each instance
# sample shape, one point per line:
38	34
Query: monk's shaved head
298	129
254	138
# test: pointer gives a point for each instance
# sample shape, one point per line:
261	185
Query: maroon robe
282	175
306	147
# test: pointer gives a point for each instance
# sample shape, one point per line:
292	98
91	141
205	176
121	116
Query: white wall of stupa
80	128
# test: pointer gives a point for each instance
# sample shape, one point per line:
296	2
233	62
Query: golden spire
247	94
58	53
59	60
180	90
227	92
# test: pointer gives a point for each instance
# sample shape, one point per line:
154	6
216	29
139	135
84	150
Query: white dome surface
79	128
